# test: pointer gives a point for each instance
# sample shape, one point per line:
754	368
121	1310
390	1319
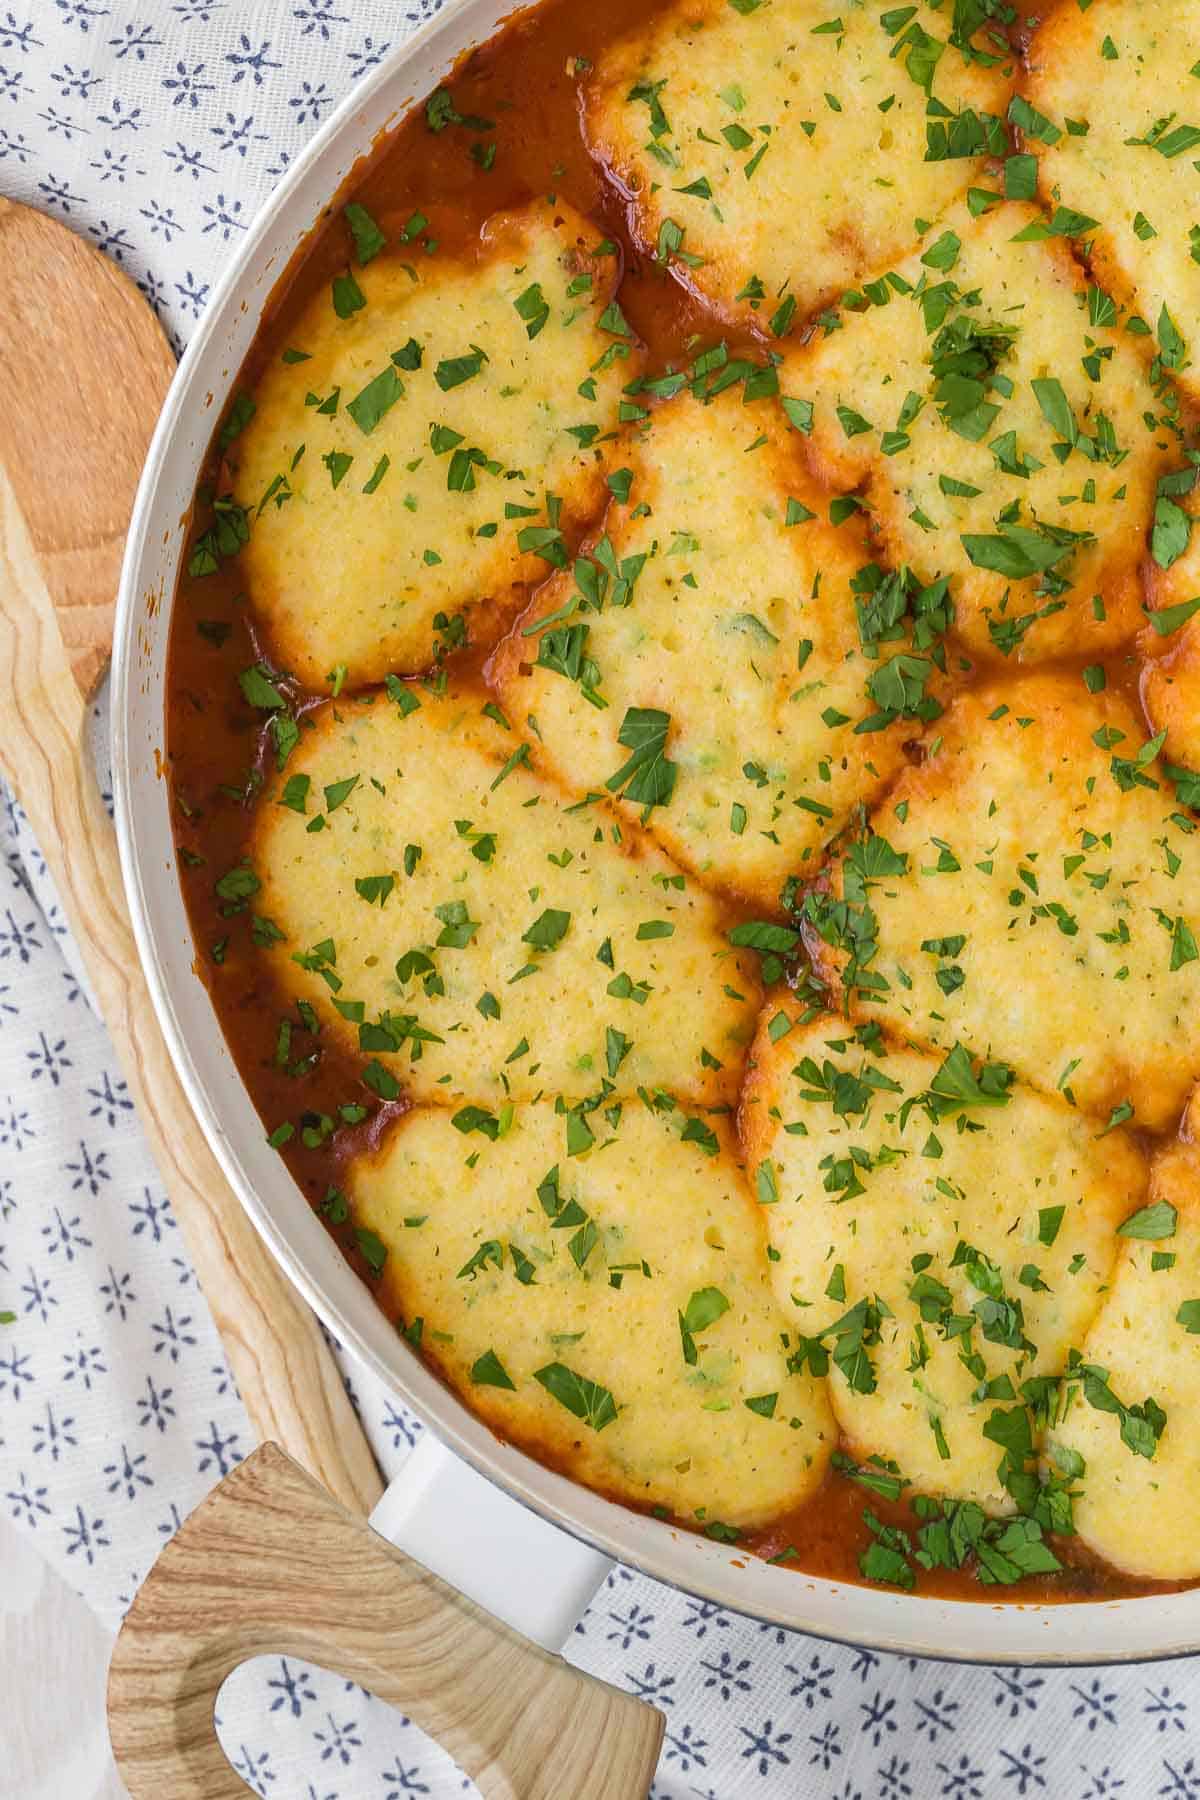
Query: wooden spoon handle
287	1378
268	1564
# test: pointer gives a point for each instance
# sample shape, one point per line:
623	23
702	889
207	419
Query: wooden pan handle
286	1376
269	1564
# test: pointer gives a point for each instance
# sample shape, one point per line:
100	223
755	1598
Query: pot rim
1078	1634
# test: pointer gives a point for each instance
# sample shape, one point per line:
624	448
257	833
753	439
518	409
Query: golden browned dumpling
779	154
1128	1429
1115	130
945	1231
1005	437
612	1309
1033	892
720	594
425	459
1170	643
448	912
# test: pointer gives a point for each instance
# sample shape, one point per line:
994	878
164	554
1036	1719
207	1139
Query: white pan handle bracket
535	1578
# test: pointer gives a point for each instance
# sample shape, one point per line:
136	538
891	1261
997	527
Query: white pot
443	1513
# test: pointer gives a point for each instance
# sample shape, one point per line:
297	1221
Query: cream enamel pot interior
441	1512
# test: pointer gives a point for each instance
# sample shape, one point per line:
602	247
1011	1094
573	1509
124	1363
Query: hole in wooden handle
270	1564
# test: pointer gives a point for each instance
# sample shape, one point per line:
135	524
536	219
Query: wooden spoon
268	1562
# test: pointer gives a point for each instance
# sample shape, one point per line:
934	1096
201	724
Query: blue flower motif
48	1059
686	1748
728	1674
185	161
400	1781
111	1098
936	1715
29	1505
60	125
654	1686
403	1427
66	1235
153	1215
765	1747
1182	1783
811	1682
219	1448
701	1614
309	104
251	62
193	293
16	940
878	1719
167	1527
134	40
339	1741
893	1780
962	1780
82	13
54	1435
16	1373
73	990
121	117
38	1296
368	56
75	84
236	134
223	217
155	1406
113	165
254	1766
1095	1703
318	16
89	1171
171	1335
185	85
15	36
118	1293
128	1474
85	1536
295	1689
827	1743
1024	1768
1104	1786
1165	1709
630	1626
154	288
84	1362
15	1130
